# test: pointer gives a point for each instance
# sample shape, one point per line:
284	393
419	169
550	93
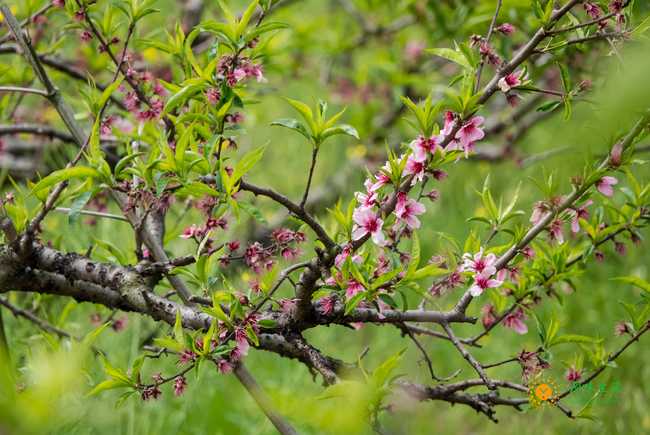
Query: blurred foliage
324	55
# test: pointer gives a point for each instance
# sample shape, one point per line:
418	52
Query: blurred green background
318	57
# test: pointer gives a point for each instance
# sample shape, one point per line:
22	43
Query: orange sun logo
542	392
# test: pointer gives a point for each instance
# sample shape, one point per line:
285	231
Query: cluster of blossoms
483	270
139	196
151	88
153	391
284	241
596	13
486	51
233	70
573	374
511	80
542	209
514	320
224	364
367	216
531	364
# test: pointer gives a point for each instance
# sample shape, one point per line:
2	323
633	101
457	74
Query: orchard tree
156	119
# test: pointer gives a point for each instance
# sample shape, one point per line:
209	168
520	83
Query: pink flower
327	305
414	50
186	356
422	147
105	126
239	74
510	81
439	174
242	342
555	231
621	328
224	366
620	248
86	36
604	185
593	10
407	209
180	383
573	375
131	101
579	213
119	324
288	306
367	222
470	132
58	3
616	155
481	283
450	120
506	28
213	95
345	253
515	321
253	70
368	199
190	232
513	99
479	264
152	392
540	210
488	52
382	179
616	6
489	317
528	252
433	195
415	168
353	288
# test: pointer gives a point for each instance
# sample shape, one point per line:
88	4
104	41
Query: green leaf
119	167
179	335
254	212
293	124
549	106
340	129
635	281
306	113
382	373
198	190
455	56
180	97
65	174
246	17
415	257
109	384
428	271
574	338
265	28
246	163
383	279
353	302
78	205
267	323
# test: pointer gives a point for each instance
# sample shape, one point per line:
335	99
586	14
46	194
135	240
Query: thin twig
23	90
479	70
264	402
314	155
